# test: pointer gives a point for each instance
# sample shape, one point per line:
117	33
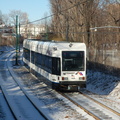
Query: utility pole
46	32
16	40
19	38
46	27
34	32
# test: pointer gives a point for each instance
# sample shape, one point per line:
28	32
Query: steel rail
87	111
7	102
101	104
91	112
4	92
24	90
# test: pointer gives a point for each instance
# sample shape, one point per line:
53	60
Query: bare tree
6	19
23	17
1	20
82	15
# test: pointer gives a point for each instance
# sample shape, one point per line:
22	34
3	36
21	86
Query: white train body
59	63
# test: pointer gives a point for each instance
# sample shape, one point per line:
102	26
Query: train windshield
73	60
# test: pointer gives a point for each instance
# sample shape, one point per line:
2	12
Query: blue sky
36	9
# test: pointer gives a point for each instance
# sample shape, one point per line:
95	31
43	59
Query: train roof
50	41
51	46
53	41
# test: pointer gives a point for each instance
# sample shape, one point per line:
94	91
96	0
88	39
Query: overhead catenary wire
32	30
60	12
57	13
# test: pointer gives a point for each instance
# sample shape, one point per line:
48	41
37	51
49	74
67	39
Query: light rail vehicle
62	65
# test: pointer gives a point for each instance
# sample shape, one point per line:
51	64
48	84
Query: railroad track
20	104
94	110
4	51
1	52
5	107
101	104
92	106
22	87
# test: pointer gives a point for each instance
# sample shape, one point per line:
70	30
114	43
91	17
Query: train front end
73	67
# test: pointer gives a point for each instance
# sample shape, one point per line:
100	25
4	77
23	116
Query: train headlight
64	78
81	78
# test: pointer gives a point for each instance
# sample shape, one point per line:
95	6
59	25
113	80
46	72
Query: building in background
32	31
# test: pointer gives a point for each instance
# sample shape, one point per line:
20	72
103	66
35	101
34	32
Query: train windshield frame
73	60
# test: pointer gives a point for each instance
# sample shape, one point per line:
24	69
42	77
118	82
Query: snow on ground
106	86
6	48
4	108
58	107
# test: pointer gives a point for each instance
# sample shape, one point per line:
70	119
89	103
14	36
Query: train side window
27	54
38	59
24	54
33	57
56	66
43	60
46	63
50	64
